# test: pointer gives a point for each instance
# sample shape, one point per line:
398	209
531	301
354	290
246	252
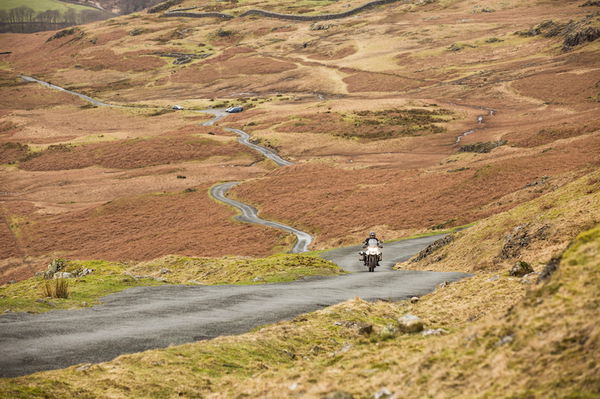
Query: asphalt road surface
245	140
144	318
250	215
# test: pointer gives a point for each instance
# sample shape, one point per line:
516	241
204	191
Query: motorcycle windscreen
372	242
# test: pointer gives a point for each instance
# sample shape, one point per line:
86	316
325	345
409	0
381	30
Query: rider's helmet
372	234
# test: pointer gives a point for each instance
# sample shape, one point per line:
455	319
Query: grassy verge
111	277
236	270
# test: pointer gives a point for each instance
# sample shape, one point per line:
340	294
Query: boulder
435	331
384	393
358	326
54	266
410	324
414	299
85	272
339	395
361	328
389	331
520	269
520	237
63	275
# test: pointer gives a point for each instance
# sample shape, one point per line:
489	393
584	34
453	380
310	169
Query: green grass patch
236	270
110	277
107	278
372	125
41	5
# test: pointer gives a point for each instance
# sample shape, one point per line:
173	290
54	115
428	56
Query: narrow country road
82	96
250	215
218	114
245	140
144	318
155	317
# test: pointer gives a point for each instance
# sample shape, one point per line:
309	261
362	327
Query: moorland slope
405	118
417	114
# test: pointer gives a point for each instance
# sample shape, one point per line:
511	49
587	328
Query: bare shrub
57	288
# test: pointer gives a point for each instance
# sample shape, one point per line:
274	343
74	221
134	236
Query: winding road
245	140
250	215
145	318
82	96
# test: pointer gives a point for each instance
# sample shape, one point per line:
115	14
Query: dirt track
155	317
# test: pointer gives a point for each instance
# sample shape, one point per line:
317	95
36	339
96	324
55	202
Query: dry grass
551	221
535	340
57	288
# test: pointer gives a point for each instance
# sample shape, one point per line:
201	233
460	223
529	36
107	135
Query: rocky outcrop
520	238
64	33
434	246
482	148
549	269
574	33
184	58
54	267
520	269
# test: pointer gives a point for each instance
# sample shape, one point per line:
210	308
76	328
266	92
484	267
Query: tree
70	17
90	16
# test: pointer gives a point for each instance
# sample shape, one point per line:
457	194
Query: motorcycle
372	255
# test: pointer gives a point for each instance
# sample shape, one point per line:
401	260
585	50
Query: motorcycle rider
372	236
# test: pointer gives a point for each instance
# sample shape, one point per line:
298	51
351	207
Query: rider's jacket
366	242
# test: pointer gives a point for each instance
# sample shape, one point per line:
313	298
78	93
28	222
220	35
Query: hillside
491	335
408	118
385	102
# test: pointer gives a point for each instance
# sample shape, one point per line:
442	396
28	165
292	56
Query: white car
232	110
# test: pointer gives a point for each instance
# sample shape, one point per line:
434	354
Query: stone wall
288	17
324	17
197	15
